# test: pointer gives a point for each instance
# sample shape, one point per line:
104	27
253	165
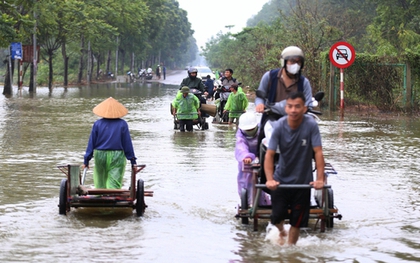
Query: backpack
272	84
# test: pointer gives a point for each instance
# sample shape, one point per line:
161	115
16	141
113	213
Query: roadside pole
116	60
342	55
35	55
10	69
20	74
342	91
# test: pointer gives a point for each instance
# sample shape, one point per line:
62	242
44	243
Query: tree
14	24
396	28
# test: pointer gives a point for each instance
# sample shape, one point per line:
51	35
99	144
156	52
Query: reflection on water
193	176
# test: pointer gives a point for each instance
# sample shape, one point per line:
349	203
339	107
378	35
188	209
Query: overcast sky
209	17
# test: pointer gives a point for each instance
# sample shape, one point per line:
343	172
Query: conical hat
110	109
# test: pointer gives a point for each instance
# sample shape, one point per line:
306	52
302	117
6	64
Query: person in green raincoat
236	104
186	106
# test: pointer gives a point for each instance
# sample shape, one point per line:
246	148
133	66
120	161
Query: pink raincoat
246	147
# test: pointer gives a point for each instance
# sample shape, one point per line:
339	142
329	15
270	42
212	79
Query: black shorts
297	200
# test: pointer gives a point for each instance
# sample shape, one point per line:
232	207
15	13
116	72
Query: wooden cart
324	212
73	192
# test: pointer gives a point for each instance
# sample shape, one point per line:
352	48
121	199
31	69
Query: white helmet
247	121
289	52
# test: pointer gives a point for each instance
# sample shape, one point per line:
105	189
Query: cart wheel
140	205
244	205
206	126
330	221
62	205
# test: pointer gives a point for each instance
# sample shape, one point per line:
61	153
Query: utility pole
116	60
10	68
35	55
88	64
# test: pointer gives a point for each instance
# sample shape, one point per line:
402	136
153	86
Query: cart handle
291	186
84	175
138	167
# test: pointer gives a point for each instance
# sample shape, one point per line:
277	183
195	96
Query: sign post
16	53
342	55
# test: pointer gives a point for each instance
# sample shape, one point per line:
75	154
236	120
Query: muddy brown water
193	176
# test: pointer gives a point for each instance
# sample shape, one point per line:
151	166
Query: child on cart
245	153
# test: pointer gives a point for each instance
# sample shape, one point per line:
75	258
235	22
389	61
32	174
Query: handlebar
291	186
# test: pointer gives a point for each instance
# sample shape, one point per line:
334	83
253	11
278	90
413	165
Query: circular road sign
342	54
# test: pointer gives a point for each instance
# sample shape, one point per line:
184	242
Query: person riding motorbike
278	83
224	91
194	82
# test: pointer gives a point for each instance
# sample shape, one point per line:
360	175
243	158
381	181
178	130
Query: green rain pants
109	169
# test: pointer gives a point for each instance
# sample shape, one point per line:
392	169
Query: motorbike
130	76
221	95
149	74
141	74
201	121
110	75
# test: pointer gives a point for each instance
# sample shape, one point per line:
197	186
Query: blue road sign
16	50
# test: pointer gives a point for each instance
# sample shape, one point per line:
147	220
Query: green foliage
248	52
375	80
385	34
146	30
269	13
13	21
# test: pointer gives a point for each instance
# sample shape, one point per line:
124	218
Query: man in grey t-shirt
298	138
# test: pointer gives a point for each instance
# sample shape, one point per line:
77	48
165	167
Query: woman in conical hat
110	145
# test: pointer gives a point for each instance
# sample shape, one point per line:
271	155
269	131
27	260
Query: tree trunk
108	62
98	65
132	62
81	61
122	52
66	64
50	67
31	81
7	89
92	66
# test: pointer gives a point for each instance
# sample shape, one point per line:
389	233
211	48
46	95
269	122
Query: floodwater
190	218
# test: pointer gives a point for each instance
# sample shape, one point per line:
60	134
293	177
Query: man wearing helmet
193	82
278	83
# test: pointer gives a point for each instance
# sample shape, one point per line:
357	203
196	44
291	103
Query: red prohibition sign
342	54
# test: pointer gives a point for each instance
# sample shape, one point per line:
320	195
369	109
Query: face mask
293	69
251	133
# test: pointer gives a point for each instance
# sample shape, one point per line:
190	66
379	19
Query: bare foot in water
283	235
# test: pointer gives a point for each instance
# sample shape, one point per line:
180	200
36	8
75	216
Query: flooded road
193	176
